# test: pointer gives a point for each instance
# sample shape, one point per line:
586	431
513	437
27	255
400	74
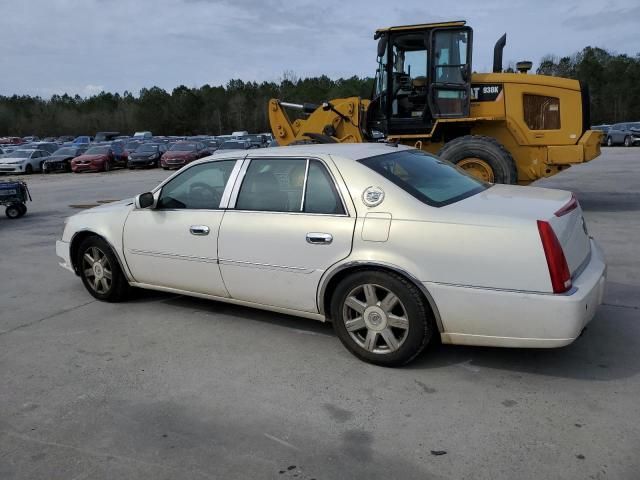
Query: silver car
393	245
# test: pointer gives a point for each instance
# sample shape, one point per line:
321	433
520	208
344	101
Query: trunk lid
504	204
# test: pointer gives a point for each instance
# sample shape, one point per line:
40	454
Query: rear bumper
587	148
499	318
62	251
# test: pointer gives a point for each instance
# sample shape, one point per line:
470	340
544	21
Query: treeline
613	80
185	111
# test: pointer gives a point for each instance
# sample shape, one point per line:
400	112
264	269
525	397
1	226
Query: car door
286	225
174	244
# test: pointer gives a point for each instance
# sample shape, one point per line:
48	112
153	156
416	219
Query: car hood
90	157
178	154
112	207
11	159
57	158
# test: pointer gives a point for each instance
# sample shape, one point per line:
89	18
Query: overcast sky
84	46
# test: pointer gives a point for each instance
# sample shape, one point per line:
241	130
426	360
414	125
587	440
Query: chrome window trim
249	159
226	194
304	184
238	183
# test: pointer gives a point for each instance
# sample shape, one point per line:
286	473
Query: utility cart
14	195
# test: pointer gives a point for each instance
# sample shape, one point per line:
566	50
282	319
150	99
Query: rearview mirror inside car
145	200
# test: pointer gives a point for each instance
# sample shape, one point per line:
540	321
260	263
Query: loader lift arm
342	120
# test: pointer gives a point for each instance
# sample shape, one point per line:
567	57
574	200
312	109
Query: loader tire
482	157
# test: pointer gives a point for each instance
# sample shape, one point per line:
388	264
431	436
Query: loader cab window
422	75
409	77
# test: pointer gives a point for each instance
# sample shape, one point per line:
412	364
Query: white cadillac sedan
394	246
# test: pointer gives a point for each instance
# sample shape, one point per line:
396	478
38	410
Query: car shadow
606	351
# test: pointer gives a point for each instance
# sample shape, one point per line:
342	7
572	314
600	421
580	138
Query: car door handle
199	230
319	238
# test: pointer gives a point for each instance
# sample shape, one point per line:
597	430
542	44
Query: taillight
556	261
572	204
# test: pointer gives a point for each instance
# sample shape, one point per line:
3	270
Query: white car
395	246
23	161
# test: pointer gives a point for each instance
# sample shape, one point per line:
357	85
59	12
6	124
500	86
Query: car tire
483	157
28	169
361	314
627	141
13	211
23	209
609	142
96	251
107	166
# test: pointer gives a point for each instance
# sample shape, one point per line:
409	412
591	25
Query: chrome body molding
172	255
225	261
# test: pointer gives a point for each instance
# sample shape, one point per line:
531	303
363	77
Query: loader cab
424	73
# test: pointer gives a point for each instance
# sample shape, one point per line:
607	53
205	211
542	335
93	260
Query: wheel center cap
375	318
98	270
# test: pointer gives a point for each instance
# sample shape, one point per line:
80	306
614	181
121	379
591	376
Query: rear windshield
431	180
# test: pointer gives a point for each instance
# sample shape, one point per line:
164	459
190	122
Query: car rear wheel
627	141
100	271
381	318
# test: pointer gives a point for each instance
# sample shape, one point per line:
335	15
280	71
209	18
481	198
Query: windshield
97	151
232	145
65	151
132	145
431	180
147	148
21	154
183	147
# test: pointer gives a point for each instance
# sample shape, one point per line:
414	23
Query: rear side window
541	112
320	193
431	180
288	185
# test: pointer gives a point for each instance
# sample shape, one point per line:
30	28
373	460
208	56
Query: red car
98	159
181	153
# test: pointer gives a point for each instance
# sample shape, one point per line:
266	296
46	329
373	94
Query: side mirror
145	200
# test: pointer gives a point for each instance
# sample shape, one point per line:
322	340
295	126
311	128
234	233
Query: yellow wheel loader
500	127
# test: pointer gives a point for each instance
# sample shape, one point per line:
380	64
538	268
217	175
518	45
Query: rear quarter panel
447	244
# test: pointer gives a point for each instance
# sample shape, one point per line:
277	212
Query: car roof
352	151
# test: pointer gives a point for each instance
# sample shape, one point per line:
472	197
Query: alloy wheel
375	318
97	270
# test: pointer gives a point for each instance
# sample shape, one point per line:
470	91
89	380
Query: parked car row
627	134
85	153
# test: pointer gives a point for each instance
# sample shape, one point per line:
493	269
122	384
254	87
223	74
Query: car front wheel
627	141
381	318
100	271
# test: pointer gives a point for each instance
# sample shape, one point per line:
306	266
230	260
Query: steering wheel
203	192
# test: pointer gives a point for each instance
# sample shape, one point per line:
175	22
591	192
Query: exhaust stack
497	53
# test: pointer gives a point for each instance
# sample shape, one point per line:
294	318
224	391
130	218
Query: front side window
541	112
199	187
431	180
278	185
